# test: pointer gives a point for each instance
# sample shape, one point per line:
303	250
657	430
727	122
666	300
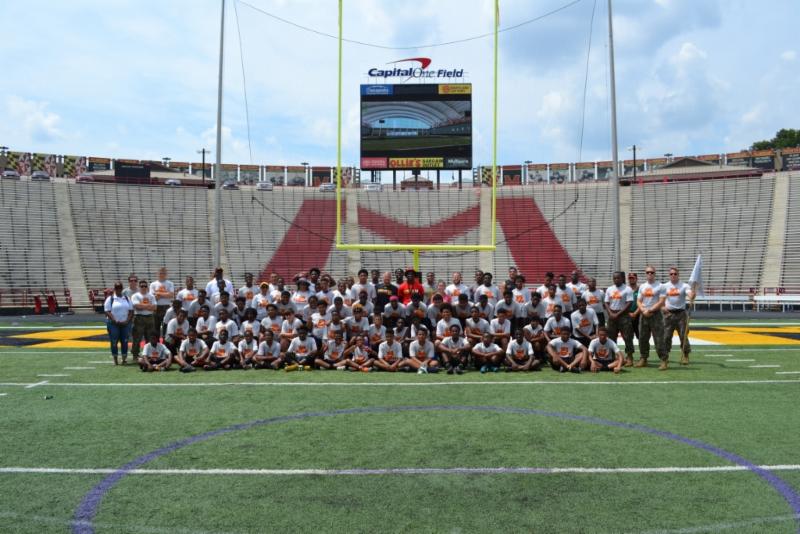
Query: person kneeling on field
455	351
301	350
421	354
604	353
333	353
223	353
192	353
360	356
390	354
566	354
269	353
155	356
487	355
248	347
519	354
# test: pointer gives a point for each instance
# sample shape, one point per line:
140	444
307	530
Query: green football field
89	447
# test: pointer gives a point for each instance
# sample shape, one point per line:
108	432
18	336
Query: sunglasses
649	272
142	285
673	274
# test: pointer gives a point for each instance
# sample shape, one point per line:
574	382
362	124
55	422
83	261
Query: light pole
305	172
668	155
204	151
166	161
526	176
633	148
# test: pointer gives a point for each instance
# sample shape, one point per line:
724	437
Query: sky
138	78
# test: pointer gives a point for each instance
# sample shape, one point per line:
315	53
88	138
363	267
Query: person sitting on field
555	323
500	327
223	353
290	329
194	307
247	350
550	302
509	307
225	323
339	307
272	322
359	356
206	326
192	353
487	355
421	354
376	332
519	354
534	333
536	308
365	303
393	311
604	353
261	300
224	303
177	330
402	334
333	354
566	354
357	325
285	304
454	351
155	356
485	309
584	323
417	308
301	351
170	314
476	327
239	310
444	325
269	353
250	323
390	354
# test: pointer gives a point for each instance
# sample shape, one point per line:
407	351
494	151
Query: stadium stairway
532	242
308	241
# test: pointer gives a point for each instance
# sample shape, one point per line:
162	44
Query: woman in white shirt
119	313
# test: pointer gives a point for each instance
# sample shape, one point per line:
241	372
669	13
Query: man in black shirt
384	290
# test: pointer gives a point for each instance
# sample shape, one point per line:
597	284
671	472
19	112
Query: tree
785	138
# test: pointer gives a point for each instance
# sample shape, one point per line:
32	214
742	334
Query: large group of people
395	321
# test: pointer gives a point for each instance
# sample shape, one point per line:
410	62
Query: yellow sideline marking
746	335
65	339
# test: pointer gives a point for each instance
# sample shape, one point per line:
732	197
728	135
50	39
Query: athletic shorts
603	363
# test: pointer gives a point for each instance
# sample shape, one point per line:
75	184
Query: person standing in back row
164	291
651	319
676	316
144	326
119	313
618	306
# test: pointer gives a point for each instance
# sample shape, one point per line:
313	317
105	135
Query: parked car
264	186
84	179
327	187
40	176
10	175
373	187
230	184
173	182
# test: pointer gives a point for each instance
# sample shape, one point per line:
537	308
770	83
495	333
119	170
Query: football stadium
438	322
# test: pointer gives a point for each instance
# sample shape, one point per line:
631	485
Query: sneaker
664	365
342	368
116	359
495	369
562	369
423	370
450	370
685	359
459	370
641	363
187	369
484	369
576	370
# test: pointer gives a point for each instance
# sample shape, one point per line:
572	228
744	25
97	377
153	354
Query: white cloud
789	55
34	120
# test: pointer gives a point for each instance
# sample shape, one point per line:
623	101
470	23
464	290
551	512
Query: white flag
696	280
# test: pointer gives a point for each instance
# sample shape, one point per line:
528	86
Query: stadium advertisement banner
628	165
512	175
45	162
584	171
738	159
604	170
248	173
274	174
74	165
559	172
228	172
791	159
656	163
320	175
182	166
99	164
419	126
537	172
763	159
197	170
20	162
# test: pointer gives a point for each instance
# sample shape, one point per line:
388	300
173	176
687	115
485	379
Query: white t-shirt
268	323
229	325
551	325
594	300
450	343
532	330
118	306
347	300
222	350
566	297
192	349
443	327
248	292
230	308
360	355
260	303
565	348
212	287
512	310
480	348
676	295
290	327
165	286
420	310
496	328
253	326
138	298
174	328
344	311
390	353
491	292
584	325
487	312
206	325
248	350
376	334
368	287
521	296
619	298
303	348
319	323
186	296
159	352
357	328
454	290
540	310
269	351
334	352
549	306
391	312
603	351
578	288
519	351
300	299
650	294
421	352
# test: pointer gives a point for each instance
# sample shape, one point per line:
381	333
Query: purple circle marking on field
84	515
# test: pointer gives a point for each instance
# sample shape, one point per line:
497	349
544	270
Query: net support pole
494	126
339	140
218	164
416	259
614	149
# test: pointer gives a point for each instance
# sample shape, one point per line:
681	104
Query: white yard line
739	360
37	384
787	372
398	471
77	368
105	362
51	376
408	384
763	366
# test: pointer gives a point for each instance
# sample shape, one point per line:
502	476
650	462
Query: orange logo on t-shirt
565	297
648	292
520	299
220	352
389	355
519	353
322	323
616	295
673	292
192	351
302	349
593	300
564	351
602	352
420	354
275	328
584	322
189	297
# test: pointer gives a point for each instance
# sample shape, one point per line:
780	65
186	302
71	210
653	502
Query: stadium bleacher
790	270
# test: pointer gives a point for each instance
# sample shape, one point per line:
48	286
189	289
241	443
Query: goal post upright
417	248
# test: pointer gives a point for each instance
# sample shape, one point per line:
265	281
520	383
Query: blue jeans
118	334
